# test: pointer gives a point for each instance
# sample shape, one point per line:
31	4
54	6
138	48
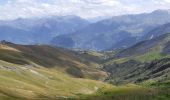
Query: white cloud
84	8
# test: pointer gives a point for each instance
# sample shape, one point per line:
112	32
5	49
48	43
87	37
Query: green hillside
28	82
130	92
50	57
41	72
147	60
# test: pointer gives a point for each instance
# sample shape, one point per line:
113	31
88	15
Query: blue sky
2	2
12	9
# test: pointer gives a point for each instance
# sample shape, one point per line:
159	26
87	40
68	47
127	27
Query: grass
44	72
160	84
131	92
147	57
12	56
150	56
51	57
38	83
25	76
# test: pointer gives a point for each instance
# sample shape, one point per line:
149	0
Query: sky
13	9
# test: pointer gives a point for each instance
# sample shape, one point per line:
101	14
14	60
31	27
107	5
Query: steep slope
160	30
24	31
36	72
133	71
107	33
155	45
27	82
50	57
145	61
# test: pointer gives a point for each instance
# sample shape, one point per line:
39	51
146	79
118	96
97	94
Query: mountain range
33	72
106	60
24	31
146	60
74	32
114	33
163	29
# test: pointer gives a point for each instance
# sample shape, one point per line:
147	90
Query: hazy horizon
88	9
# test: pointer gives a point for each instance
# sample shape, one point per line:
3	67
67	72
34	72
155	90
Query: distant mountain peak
161	11
115	32
64	17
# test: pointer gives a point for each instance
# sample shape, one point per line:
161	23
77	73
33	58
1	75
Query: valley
78	57
36	72
27	73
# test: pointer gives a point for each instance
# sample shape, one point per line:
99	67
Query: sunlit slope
43	72
50	57
36	82
130	92
152	49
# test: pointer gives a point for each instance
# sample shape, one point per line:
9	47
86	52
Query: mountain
49	57
45	72
145	61
134	71
108	33
160	30
39	30
32	72
156	45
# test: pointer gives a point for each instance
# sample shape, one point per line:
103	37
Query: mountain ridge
24	31
108	31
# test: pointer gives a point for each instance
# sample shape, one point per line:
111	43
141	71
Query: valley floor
47	73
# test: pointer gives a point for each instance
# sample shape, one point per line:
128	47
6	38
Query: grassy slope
133	64
28	74
155	90
49	57
145	51
36	72
20	82
149	90
48	84
130	93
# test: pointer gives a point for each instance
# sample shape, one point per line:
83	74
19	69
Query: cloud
12	9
